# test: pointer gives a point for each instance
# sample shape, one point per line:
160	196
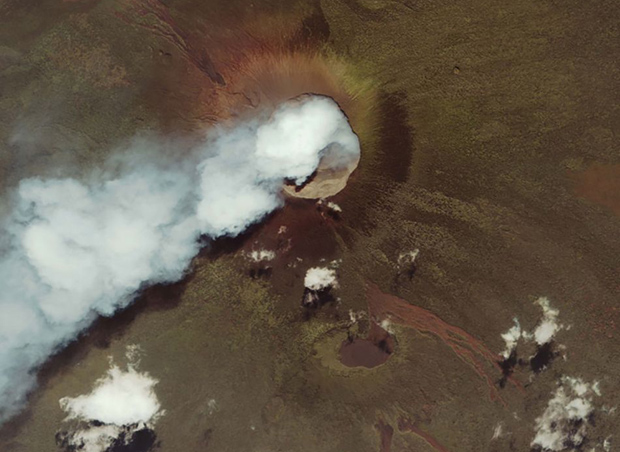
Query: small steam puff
544	333
318	282
319	278
73	250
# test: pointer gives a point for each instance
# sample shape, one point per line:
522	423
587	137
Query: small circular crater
370	352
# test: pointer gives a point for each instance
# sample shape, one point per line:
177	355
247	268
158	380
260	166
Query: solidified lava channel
387	432
405	425
469	349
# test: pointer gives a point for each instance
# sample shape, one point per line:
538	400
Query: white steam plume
72	250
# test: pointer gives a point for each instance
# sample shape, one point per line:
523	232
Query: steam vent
309	226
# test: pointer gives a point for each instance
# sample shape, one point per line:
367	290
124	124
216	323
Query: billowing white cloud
119	398
544	332
563	424
75	249
261	255
304	128
318	278
121	403
548	326
511	338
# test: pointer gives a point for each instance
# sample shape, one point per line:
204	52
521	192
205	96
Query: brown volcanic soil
483	128
600	184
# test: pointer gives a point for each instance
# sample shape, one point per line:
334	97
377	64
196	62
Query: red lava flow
386	431
469	349
405	425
